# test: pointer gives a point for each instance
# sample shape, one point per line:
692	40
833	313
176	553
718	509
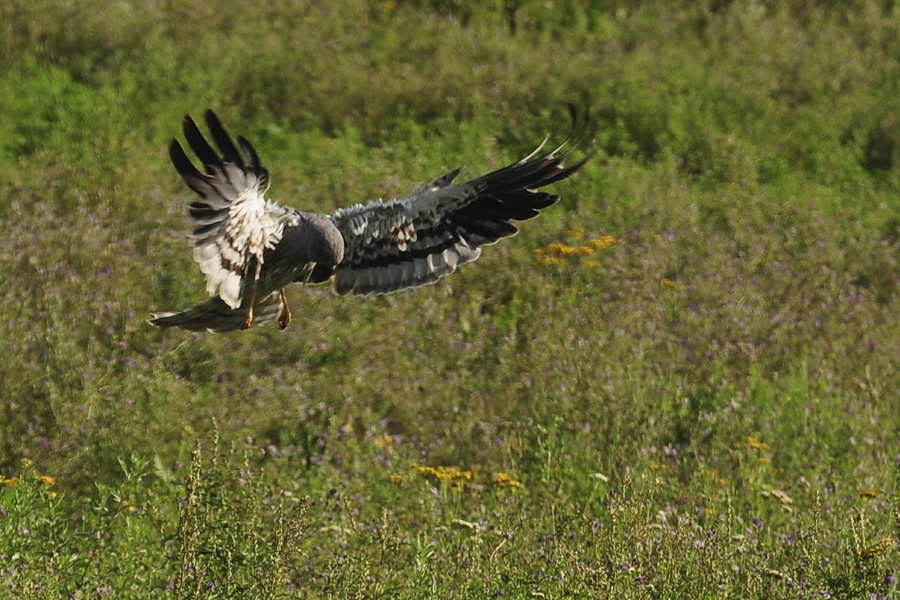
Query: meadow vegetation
681	381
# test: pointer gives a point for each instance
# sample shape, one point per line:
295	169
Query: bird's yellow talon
248	319
285	319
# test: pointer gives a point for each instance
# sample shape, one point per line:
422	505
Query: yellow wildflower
873	551
398	479
46	480
558	248
502	480
654	467
715	476
570	250
603	241
868	494
547	261
596	264
558	252
756	444
11	481
763	460
450	473
386	442
453	473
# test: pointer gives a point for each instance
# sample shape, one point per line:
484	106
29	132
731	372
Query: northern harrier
251	248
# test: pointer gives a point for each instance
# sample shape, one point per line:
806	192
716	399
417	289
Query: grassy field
680	382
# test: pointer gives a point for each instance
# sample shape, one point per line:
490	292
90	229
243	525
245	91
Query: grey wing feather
417	240
234	223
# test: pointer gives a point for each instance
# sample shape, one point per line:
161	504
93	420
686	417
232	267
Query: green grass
704	407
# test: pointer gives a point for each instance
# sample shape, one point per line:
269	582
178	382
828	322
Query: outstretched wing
414	241
234	224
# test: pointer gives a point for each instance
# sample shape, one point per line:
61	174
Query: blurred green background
706	326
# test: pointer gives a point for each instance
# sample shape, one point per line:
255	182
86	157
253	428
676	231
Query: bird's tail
217	317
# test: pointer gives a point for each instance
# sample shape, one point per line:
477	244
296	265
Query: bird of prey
251	248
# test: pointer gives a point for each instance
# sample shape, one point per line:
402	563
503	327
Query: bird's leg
249	318
254	264
285	319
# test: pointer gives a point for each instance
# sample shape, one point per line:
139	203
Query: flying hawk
251	248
